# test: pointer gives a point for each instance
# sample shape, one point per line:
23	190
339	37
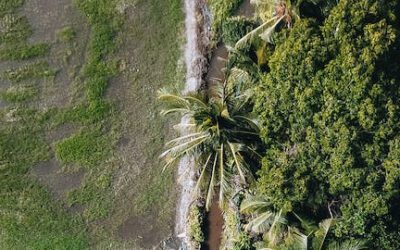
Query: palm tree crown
221	137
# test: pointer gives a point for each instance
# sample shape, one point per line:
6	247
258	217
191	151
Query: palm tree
279	233
272	13
222	139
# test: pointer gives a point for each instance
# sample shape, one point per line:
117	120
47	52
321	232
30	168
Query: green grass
18	94
23	51
95	194
87	148
16	29
9	6
29	216
67	34
29	72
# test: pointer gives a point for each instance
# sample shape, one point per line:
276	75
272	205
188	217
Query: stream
214	228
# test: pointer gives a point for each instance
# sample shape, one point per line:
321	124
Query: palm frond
225	178
237	160
202	174
211	185
252	204
261	223
322	232
184	138
267	34
185	146
274	233
296	239
252	35
348	245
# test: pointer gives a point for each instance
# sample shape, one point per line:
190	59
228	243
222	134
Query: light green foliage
221	137
222	10
196	223
21	51
14	28
234	237
329	117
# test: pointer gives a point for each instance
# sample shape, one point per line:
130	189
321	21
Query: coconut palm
221	137
279	233
272	13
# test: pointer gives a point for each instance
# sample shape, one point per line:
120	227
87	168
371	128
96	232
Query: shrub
196	220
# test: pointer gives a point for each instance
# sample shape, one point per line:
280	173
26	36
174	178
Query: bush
196	220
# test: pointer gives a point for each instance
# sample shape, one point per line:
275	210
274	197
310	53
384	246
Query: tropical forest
200	124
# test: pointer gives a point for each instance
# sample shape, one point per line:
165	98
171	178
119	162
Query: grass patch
14	29
24	51
18	94
95	194
28	215
87	148
31	71
67	34
9	6
98	124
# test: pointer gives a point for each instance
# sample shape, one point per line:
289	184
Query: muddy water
216	75
215	223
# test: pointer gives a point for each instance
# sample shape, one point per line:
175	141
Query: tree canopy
329	117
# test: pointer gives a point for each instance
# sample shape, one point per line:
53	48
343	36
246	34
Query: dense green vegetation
325	79
328	117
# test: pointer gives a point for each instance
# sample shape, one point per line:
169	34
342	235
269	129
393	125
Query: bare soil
48	18
60	183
